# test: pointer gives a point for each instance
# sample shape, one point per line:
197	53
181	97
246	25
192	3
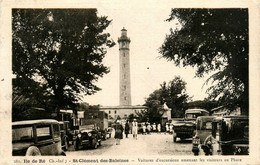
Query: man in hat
134	129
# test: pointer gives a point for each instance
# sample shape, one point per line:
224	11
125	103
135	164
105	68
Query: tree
173	94
155	107
58	53
213	40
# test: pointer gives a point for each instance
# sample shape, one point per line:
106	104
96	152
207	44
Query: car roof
195	110
31	122
62	122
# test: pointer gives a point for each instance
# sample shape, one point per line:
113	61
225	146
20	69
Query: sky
147	28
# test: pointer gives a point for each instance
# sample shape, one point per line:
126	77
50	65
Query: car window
23	134
208	125
43	132
62	126
56	130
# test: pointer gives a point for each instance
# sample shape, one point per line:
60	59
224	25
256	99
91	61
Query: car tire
94	144
76	145
174	139
99	143
196	153
33	151
63	153
66	146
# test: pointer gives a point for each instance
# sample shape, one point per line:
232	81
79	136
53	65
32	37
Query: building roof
123	107
195	110
220	107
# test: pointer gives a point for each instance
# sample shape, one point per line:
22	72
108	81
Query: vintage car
185	129
192	114
230	136
87	136
203	130
66	134
36	137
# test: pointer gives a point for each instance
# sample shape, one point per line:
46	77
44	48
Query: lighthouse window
124	87
125	98
115	112
124	75
124	54
124	65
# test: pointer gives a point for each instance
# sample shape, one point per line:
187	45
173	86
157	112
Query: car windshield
61	126
192	115
207	125
89	127
22	134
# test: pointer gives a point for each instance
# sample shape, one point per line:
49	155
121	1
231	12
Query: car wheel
63	153
174	139
94	144
76	145
33	151
66	144
196	153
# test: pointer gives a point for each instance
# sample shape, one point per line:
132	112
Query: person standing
135	129
144	129
148	128
154	127
171	129
159	128
118	132
167	127
127	128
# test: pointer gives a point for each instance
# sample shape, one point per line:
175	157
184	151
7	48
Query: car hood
184	123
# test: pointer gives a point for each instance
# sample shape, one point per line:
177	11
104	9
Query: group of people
169	128
147	128
119	130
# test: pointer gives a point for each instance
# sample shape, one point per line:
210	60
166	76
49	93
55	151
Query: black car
87	136
183	130
36	137
230	136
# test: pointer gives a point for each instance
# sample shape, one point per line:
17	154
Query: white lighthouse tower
124	70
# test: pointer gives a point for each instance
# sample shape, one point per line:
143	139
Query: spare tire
33	151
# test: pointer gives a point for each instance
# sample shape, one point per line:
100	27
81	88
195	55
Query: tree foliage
173	94
213	40
155	108
58	53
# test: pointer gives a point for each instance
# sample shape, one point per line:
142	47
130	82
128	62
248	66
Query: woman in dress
134	129
127	128
118	132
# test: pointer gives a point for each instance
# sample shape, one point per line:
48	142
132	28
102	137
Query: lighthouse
125	107
124	69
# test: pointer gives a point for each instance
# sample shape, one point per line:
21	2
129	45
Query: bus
97	118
